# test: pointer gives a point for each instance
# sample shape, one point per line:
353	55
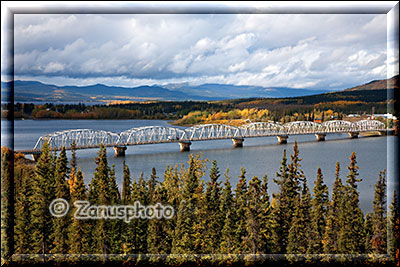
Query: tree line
210	217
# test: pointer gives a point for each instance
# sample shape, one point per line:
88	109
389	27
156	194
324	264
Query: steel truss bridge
87	138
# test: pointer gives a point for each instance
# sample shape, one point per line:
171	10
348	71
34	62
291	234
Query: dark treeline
143	110
344	102
210	217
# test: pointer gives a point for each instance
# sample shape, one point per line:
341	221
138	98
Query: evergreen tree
152	183
157	238
42	195
393	226
379	221
78	240
352	236
99	194
73	169
368	227
228	229
213	216
126	184
172	183
318	214
142	197
280	223
114	225
335	220
240	205
265	218
7	198
253	241
184	239
61	225
22	224
299	233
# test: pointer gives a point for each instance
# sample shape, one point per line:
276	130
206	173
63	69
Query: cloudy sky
320	51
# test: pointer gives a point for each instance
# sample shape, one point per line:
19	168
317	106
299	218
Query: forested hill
357	99
391	83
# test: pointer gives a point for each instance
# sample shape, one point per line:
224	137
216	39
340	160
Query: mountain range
34	91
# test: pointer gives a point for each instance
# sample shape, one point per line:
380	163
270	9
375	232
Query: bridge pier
282	139
320	136
185	145
353	135
237	142
119	151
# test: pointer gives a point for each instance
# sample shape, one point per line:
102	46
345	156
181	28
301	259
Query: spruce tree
352	235
172	183
42	195
78	240
335	217
61	225
22	224
265	218
280	222
253	241
299	233
157	238
213	216
240	204
368	227
183	242
73	169
379	221
227	210
114	225
152	183
126	184
99	194
393	226
142	223
318	214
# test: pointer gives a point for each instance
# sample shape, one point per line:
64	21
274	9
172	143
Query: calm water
259	155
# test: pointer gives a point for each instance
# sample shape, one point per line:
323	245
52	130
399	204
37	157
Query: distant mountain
392	83
227	91
26	91
33	91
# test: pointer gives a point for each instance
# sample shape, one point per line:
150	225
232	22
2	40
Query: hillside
391	83
33	91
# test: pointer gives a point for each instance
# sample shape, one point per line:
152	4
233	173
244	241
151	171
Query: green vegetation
209	217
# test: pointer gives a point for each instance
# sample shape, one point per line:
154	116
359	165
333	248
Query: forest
211	217
340	103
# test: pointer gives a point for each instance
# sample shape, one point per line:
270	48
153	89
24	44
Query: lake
259	155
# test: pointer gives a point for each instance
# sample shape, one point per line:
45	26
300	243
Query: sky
314	51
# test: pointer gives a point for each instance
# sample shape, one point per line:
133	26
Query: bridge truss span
212	131
87	138
339	126
370	125
303	127
83	138
269	128
151	135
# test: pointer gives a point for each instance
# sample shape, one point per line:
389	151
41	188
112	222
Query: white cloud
317	51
